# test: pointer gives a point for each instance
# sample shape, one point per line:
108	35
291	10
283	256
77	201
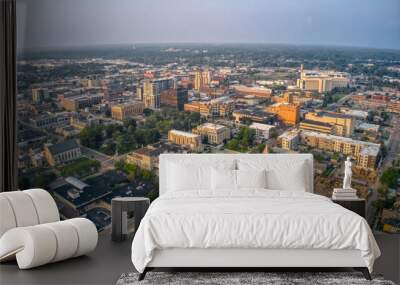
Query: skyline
312	23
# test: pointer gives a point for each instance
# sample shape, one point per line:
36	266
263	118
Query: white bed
249	227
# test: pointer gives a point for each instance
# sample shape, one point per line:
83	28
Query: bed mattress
252	219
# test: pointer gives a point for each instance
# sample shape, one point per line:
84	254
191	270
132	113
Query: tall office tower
202	78
139	92
152	90
176	98
288	113
288	97
38	94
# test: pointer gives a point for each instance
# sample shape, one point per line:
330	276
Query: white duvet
250	219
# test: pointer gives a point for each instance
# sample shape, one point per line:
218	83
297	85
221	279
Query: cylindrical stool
121	207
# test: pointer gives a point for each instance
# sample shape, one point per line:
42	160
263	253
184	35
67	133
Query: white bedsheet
250	219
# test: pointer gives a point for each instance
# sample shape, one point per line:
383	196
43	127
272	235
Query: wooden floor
106	264
103	266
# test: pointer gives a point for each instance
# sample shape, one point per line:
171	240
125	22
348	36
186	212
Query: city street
393	151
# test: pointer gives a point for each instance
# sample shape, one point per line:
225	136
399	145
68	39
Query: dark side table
356	205
123	211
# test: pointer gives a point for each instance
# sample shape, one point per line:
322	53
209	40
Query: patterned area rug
243	278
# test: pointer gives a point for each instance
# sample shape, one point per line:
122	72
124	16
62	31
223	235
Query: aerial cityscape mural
93	120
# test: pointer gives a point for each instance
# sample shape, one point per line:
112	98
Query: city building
50	120
322	81
63	152
202	78
263	131
366	127
357	114
152	89
39	94
215	134
175	98
288	113
317	126
222	107
253	115
76	197
249	100
342	124
193	141
84	120
366	154
297	97
126	110
147	157
255	91
214	92
76	103
372	100
289	140
67	132
394	107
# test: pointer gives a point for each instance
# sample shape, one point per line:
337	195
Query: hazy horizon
199	44
47	24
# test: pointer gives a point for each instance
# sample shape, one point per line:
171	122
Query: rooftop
324	73
291	134
252	88
333	115
129	103
368	127
99	187
75	182
212	126
344	139
370	151
357	113
182	133
260	126
63	146
83	97
311	122
253	112
157	149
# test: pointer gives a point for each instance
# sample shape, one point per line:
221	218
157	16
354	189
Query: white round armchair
31	230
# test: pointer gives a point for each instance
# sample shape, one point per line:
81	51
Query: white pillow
251	178
223	179
281	174
186	176
291	178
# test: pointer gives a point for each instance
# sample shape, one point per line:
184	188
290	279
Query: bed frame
246	259
250	259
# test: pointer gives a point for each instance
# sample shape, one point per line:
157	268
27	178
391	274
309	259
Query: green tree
153	194
233	144
43	179
130	123
260	148
147	175
24	182
81	167
147	112
390	176
91	137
